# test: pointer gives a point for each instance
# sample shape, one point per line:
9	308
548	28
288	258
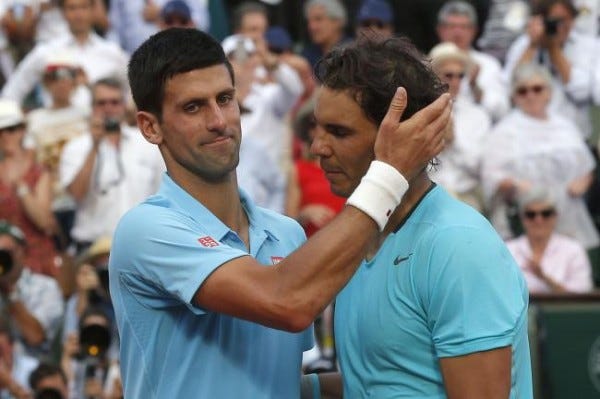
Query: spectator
14	368
98	57
375	17
132	21
89	369
459	162
505	23
535	146
267	89
251	19
18	21
552	42
326	21
26	192
457	23
49	381
33	301
551	262
176	14
108	170
50	128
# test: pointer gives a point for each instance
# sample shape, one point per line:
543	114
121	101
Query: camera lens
6	262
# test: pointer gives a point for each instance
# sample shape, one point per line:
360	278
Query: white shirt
269	104
98	57
549	153
494	98
458	170
564	261
573	99
121	178
259	176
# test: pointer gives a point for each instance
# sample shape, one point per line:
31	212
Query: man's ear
149	126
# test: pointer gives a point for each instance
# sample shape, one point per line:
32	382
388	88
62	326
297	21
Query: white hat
448	51
230	44
10	113
60	60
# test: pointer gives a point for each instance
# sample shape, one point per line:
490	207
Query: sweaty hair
371	69
166	54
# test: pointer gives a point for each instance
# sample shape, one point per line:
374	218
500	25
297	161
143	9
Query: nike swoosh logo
399	259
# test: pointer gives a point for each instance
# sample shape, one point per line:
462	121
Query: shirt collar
199	213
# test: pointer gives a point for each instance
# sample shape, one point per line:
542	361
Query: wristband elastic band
379	192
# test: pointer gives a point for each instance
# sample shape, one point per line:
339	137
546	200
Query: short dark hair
247	7
372	68
61	3
166	54
111	82
542	7
44	370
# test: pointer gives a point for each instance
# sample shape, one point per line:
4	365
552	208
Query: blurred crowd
522	148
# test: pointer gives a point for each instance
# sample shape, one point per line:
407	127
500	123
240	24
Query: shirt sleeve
172	257
476	294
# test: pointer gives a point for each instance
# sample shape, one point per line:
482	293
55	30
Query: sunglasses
60	73
452	75
544	213
12	129
535	89
108	101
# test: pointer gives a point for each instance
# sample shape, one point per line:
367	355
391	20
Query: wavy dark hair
372	68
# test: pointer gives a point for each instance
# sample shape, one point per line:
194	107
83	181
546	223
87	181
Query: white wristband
379	192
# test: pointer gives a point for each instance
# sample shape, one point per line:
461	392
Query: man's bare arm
478	375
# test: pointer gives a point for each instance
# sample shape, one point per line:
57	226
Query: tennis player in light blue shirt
163	250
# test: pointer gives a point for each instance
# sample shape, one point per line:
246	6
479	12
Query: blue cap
375	9
278	38
176	8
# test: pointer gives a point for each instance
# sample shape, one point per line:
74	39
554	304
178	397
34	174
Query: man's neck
417	189
81	37
221	198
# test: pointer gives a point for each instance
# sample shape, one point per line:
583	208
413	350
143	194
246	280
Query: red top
40	252
314	189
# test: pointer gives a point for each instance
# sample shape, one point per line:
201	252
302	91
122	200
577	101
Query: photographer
91	282
108	170
551	41
48	381
33	301
91	371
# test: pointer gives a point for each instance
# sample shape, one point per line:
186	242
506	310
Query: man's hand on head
409	145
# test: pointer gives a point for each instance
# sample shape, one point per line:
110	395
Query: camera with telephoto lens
94	340
112	125
6	262
551	26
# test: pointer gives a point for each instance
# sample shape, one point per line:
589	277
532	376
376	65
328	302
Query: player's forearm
310	277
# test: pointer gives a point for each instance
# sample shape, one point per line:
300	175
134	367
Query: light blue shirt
442	285
162	252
